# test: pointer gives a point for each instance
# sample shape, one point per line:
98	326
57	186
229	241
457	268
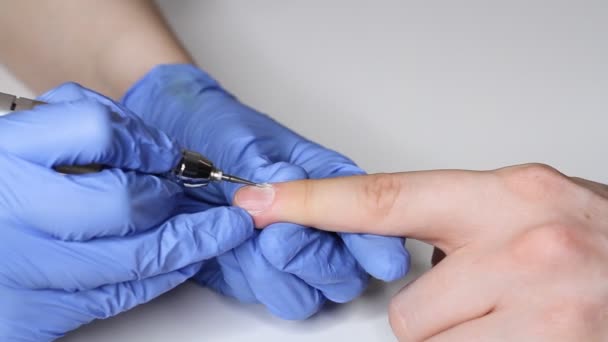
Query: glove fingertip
347	291
301	313
236	226
385	258
280	243
390	266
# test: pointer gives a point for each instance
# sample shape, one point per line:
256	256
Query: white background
396	85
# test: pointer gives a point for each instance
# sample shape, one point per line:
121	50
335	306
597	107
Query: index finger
432	206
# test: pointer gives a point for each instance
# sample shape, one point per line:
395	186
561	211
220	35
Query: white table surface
396	85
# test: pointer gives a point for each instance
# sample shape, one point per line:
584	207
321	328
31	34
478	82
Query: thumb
84	131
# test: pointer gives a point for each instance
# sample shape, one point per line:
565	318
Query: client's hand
527	247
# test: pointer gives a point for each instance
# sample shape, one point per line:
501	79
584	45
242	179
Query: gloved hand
290	269
74	248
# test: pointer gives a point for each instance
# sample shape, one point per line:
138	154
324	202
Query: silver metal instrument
193	169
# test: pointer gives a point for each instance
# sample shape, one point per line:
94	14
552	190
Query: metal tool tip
238	180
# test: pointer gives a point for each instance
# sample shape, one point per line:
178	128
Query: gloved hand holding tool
289	268
74	248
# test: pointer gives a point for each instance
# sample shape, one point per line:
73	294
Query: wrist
145	40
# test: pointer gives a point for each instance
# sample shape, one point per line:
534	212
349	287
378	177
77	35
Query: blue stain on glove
290	269
74	248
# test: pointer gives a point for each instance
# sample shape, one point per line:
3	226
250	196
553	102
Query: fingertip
257	202
277	202
262	202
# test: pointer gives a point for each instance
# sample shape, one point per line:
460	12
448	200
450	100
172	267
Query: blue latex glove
290	269
77	248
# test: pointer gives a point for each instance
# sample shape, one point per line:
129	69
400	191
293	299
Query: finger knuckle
308	202
380	194
549	246
97	125
536	181
531	175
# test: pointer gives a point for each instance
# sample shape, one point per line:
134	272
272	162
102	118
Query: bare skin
527	247
105	45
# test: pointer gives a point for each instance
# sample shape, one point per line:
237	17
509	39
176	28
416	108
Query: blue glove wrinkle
322	262
231	279
156	151
224	275
68	311
284	294
209	233
120	297
174	244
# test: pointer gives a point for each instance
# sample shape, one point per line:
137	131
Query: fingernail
254	199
